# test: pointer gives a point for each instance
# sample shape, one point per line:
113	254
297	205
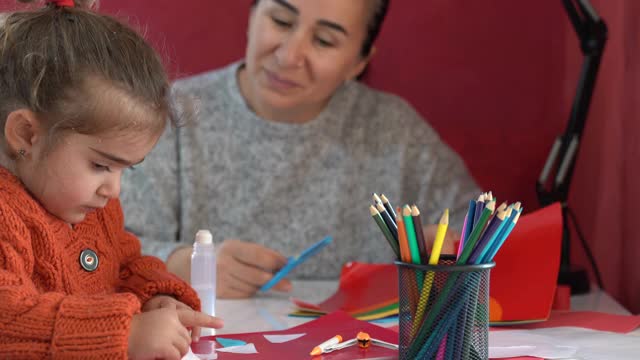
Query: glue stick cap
204	237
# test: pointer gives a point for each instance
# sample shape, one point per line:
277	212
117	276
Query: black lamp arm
592	33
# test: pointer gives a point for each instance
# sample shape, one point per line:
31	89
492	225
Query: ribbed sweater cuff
94	328
146	280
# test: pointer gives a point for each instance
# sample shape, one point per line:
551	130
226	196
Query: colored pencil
464	228
487	235
387	205
391	225
479	207
468	226
477	231
385	230
411	234
503	222
439	240
417	225
508	220
503	236
405	253
376	199
428	281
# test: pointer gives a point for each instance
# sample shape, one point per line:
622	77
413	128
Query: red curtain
605	192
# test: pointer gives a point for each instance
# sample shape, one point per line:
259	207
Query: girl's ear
22	131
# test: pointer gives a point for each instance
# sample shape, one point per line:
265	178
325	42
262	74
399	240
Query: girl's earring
22	152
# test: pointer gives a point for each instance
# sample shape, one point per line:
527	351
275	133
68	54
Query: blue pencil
502	237
486	236
480	204
504	221
514	211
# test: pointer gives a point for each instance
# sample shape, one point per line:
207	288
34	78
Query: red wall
605	192
496	79
488	78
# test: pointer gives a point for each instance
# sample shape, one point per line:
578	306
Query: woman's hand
243	267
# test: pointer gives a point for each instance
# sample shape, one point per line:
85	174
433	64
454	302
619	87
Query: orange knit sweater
50	307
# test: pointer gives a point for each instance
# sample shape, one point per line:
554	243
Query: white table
270	311
597	300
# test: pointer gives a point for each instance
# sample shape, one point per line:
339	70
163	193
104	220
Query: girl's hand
163	301
162	333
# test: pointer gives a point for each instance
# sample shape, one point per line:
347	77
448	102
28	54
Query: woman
287	149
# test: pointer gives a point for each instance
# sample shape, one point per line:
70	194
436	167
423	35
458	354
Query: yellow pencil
428	281
439	241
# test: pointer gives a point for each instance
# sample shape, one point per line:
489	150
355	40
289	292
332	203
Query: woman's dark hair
63	63
379	11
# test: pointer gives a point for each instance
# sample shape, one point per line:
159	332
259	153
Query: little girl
82	98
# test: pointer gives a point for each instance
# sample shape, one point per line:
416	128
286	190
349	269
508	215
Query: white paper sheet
242	349
277	339
557	343
191	356
514	343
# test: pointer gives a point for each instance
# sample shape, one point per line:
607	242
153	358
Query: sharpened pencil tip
415	211
515	219
444	220
406	211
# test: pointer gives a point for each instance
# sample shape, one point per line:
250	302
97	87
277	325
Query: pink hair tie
62	3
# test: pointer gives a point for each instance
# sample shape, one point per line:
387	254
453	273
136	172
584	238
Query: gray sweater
287	186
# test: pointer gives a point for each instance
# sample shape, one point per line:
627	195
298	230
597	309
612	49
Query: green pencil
411	235
477	231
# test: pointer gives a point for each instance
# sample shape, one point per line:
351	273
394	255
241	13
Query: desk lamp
592	33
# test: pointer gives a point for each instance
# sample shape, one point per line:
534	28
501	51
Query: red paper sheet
363	287
317	331
523	282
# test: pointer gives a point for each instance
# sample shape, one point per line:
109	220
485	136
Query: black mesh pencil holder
444	310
